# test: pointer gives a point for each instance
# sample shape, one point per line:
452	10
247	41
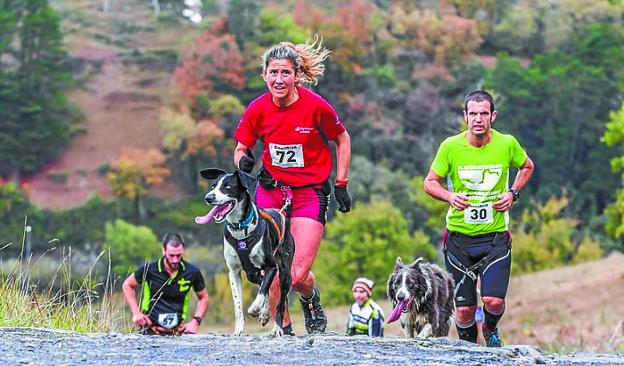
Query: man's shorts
494	276
311	202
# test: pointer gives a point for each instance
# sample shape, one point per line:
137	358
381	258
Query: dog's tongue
396	313
201	220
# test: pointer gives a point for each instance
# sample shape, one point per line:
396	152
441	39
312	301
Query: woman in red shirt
296	125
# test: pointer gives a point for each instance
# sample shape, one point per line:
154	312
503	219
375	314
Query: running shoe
492	339
315	320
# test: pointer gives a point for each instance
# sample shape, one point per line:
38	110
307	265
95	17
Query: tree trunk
139	209
156	6
106	5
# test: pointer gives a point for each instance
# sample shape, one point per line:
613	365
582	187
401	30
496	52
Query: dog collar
245	223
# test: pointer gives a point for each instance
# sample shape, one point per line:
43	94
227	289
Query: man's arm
524	175
522	179
433	187
129	288
190	327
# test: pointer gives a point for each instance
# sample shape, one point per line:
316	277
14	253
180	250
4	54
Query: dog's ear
211	173
398	264
390	289
245	179
416	263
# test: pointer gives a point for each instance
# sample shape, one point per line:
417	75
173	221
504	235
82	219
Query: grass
64	302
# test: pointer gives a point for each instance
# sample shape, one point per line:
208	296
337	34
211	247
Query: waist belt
461	260
266	181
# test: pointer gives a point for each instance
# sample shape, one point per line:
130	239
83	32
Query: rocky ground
27	346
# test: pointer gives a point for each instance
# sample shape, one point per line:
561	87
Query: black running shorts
494	276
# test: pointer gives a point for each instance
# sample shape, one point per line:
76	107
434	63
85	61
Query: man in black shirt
166	292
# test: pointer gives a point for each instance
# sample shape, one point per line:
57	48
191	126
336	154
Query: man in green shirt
477	243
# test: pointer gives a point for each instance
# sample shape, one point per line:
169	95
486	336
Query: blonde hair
307	58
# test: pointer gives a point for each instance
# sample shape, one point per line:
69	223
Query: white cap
365	284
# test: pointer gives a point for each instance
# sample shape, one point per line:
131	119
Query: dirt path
36	346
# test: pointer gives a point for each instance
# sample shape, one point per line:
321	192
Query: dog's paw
426	332
240	327
277	331
256	307
264	317
253	311
265	314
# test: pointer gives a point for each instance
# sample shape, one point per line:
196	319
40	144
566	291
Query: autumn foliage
212	63
135	171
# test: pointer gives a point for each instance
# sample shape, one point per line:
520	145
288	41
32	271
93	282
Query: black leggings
494	276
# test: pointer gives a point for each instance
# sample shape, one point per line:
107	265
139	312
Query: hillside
125	64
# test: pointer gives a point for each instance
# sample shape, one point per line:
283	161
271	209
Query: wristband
514	193
341	182
198	320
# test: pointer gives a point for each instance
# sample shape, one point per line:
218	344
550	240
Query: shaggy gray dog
423	298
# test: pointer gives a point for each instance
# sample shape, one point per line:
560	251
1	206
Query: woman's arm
239	152
343	156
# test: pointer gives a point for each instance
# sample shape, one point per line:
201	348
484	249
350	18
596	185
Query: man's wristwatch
514	193
198	320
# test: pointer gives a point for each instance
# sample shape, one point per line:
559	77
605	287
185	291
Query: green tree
436	210
366	242
130	246
614	137
44	121
557	106
242	16
276	26
546	239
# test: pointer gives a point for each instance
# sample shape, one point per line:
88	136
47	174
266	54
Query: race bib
168	320
286	156
479	214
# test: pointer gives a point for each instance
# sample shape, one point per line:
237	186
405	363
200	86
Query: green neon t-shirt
482	173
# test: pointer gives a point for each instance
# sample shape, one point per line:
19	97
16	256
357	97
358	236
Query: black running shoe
315	320
288	331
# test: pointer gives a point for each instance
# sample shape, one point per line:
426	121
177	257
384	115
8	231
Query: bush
130	246
366	242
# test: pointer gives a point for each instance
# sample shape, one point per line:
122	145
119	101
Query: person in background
365	316
166	292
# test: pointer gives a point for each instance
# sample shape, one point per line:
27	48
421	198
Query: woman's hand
343	198
247	162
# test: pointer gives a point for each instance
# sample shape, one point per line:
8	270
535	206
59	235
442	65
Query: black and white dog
255	240
423	298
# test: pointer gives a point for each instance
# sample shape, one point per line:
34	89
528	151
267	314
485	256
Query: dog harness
461	260
272	227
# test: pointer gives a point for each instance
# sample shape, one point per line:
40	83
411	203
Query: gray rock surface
28	346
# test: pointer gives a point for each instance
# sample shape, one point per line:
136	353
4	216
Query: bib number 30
478	214
286	156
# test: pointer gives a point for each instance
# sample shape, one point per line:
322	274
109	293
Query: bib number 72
286	156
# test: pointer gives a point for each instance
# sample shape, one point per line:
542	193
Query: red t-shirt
296	138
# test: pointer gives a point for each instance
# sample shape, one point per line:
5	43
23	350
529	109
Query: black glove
247	162
343	198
